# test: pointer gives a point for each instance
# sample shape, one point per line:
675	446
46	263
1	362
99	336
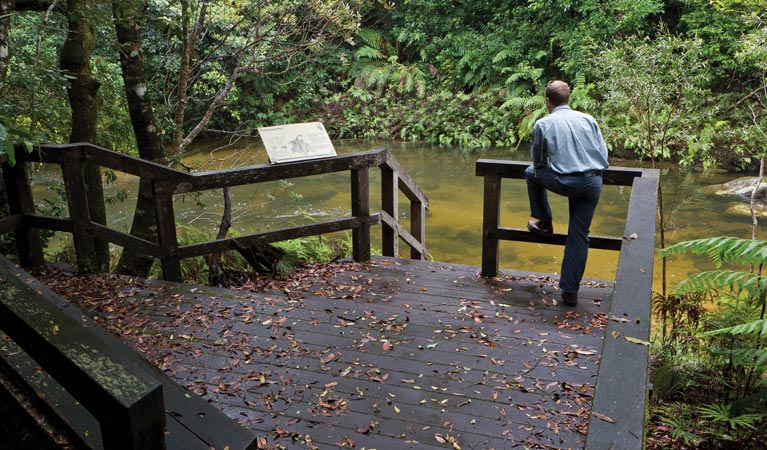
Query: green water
454	219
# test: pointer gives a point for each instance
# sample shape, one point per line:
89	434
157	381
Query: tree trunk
6	6
189	38
128	17
85	104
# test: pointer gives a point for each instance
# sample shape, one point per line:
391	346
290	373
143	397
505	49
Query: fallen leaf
634	340
601	416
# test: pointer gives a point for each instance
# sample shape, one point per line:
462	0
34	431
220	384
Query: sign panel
296	142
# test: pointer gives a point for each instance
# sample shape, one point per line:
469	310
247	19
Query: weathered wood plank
192	423
272	172
390	209
621	392
314	229
49	222
406	183
491	219
21	202
519	235
416	247
135	244
360	193
127	402
248	351
622	176
79	214
10	224
166	229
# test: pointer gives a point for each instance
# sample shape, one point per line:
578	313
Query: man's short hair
558	92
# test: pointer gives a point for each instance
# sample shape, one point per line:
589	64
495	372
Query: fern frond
724	249
757	327
729	280
369	53
373	38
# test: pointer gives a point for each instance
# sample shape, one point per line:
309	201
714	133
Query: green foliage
757	327
653	87
732	393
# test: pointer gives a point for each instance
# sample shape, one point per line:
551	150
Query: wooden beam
79	214
622	176
515	234
491	219
127	401
621	388
360	186
390	207
314	229
411	241
21	202
271	172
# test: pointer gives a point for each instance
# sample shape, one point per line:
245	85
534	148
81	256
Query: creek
454	219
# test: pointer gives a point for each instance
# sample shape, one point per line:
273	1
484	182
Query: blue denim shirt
568	141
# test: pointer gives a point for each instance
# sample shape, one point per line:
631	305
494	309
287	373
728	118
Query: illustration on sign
296	142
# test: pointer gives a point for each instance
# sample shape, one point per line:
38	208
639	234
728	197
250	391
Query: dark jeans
583	193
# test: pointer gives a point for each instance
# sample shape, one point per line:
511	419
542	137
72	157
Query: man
569	156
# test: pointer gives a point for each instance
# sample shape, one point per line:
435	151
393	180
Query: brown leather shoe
540	228
570	299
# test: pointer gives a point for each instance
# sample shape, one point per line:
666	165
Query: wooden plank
87	152
622	176
390	209
133	243
314	229
10	224
288	339
166	229
415	246
621	391
514	234
134	166
79	214
405	182
48	396
418	229
491	219
360	186
21	202
127	402
49	222
271	172
190	420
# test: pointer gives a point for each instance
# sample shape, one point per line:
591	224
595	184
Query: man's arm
538	152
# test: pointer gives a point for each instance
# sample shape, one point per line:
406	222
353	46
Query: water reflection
454	219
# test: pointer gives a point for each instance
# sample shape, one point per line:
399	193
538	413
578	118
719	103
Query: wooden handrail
621	389
167	182
125	399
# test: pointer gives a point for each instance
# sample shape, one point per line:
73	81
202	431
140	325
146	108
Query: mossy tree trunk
82	89
129	15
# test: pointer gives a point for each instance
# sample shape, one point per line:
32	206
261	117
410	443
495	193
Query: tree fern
724	249
735	281
757	327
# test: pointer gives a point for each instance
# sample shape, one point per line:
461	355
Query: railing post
166	229
390	205
361	209
418	227
79	214
20	201
491	219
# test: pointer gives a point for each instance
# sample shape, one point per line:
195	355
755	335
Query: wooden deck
387	355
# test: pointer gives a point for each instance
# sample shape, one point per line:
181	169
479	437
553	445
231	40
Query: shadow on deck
392	354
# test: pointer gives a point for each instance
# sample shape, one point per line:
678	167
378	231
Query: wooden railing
620	397
167	182
126	400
